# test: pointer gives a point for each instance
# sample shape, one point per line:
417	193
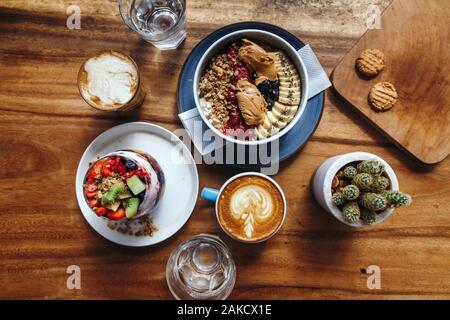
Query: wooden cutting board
415	36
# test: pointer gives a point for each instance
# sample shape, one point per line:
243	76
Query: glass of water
201	269
160	22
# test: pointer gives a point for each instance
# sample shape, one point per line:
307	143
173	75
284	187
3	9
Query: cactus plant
351	211
363	181
338	198
350	172
379	184
397	199
373	167
373	201
361	191
351	192
368	216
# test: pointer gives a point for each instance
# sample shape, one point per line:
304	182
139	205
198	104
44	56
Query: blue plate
292	141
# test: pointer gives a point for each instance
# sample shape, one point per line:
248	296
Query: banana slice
277	123
284	109
261	132
285	116
291	101
289	84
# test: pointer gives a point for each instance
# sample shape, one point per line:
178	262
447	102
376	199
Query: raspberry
233	51
232	97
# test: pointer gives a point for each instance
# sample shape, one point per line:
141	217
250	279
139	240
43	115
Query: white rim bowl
266	37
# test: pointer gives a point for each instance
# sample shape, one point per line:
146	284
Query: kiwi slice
111	196
124	195
113	206
131	207
136	185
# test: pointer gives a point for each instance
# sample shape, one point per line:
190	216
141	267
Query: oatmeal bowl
251	87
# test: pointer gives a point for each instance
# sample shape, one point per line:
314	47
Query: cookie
371	62
383	96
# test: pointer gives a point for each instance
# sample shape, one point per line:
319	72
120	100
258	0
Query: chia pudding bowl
124	185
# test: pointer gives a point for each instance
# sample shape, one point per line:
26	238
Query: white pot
327	171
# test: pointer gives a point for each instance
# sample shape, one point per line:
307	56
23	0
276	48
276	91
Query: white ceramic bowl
327	171
270	39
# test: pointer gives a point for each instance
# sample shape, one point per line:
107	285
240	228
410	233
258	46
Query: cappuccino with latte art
251	208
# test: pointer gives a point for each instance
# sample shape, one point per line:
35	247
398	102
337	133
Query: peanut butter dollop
258	59
251	103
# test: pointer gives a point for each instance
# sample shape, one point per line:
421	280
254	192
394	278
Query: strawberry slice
93	203
102	211
91	195
117	215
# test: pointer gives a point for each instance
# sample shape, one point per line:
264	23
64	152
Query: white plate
180	171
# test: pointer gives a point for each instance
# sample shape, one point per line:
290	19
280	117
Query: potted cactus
359	189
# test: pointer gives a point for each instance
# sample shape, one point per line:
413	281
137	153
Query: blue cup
210	194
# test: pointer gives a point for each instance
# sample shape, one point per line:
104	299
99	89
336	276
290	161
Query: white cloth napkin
205	144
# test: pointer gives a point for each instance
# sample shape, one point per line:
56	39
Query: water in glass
201	268
160	22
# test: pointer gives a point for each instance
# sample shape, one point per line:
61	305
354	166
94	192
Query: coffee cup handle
210	194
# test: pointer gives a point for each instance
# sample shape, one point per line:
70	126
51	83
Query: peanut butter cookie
383	96
371	62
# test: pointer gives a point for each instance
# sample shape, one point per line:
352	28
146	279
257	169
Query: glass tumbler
160	22
201	269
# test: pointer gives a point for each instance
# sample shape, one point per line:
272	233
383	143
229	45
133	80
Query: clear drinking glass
160	22
201	269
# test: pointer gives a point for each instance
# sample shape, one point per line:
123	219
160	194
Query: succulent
351	211
338	198
363	181
362	192
350	172
397	199
373	167
368	216
373	201
351	192
379	184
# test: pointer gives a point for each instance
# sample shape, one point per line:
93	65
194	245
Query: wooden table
45	127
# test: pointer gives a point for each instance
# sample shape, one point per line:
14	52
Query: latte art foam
251	208
251	203
111	79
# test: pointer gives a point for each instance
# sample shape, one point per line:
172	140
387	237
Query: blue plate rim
255	25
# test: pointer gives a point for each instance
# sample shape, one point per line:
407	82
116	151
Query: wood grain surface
415	49
45	126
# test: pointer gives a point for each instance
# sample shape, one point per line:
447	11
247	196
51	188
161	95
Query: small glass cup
134	102
201	269
160	22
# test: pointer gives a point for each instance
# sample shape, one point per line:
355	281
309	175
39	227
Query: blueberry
274	94
275	84
130	165
269	103
265	87
141	196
